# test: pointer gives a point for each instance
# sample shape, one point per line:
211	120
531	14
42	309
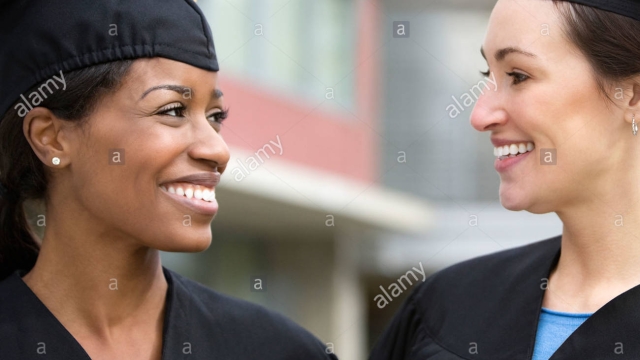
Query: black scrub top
487	308
197	319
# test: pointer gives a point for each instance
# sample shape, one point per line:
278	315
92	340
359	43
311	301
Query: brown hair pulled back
609	41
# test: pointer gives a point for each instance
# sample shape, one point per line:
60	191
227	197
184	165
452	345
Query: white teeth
513	149
191	191
522	148
197	194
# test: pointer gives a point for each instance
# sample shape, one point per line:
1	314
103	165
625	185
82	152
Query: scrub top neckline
19	273
566	314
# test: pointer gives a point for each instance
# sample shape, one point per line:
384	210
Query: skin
108	222
596	179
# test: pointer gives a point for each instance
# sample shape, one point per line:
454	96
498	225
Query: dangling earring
55	160
634	126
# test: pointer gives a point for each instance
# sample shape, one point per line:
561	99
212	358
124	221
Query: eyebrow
502	53
217	93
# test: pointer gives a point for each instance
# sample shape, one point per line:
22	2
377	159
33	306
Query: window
296	47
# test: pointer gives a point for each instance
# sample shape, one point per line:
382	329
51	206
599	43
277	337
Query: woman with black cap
111	114
563	125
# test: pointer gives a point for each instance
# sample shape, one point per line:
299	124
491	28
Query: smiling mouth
510	156
513	150
191	191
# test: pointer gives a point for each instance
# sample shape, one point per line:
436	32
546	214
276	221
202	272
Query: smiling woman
123	157
563	126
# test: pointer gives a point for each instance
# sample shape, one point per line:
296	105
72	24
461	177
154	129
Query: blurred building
346	168
301	199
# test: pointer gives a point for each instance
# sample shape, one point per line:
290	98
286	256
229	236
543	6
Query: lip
206	179
199	206
506	164
502	142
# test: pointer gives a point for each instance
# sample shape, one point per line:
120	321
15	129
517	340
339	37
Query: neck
600	247
97	284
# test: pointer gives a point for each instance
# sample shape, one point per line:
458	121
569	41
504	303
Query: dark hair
22	173
609	41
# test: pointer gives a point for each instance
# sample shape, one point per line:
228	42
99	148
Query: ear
633	106
44	132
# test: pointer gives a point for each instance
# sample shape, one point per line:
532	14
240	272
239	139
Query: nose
209	145
488	111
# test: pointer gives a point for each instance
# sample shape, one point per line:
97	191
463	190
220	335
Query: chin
190	243
186	246
513	200
512	206
518	201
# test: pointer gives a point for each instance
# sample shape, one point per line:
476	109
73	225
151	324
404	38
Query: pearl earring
55	160
634	126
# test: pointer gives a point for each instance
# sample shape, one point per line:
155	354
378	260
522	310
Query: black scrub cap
628	8
39	39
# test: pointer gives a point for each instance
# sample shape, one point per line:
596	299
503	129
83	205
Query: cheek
539	115
575	122
131	199
556	114
584	134
116	172
118	178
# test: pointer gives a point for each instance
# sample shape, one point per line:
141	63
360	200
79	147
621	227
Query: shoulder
499	270
234	310
501	288
499	267
12	296
455	306
263	328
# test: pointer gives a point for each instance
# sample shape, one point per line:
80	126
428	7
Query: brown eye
517	77
219	117
176	110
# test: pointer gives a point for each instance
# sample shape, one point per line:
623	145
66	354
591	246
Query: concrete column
349	313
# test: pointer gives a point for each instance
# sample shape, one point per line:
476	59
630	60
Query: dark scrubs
487	308
199	323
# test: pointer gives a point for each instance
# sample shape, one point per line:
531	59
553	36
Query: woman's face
550	99
162	124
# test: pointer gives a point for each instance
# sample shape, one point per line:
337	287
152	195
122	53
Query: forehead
532	25
146	72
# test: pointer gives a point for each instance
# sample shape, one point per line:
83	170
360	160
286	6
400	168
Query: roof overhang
278	193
